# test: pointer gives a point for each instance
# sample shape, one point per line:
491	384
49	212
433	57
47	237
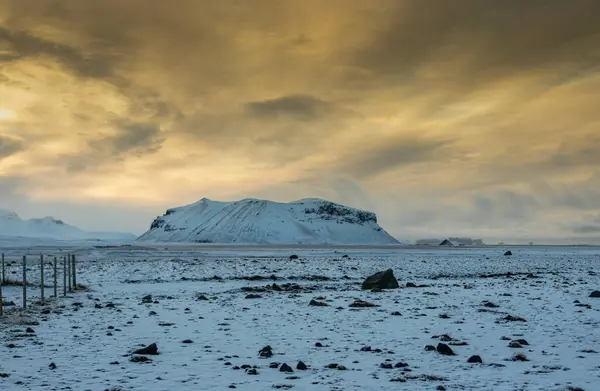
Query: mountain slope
11	225
308	221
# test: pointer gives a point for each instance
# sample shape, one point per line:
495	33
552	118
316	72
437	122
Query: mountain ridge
48	227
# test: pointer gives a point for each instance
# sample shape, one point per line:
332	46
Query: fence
69	272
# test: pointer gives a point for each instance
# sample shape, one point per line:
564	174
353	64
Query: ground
200	295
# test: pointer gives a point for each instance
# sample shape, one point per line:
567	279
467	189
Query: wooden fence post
24	281
69	276
42	295
64	276
74	272
3	270
55	280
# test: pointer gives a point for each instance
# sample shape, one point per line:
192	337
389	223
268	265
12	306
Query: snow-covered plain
90	343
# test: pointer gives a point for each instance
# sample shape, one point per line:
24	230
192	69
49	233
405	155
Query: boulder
151	349
381	280
595	294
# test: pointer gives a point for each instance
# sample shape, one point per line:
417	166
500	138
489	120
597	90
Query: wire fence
37	275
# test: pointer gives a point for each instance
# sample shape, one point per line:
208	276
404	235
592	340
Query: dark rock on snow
381	280
285	368
595	294
150	349
444	349
475	360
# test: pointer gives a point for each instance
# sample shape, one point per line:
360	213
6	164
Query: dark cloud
9	147
301	107
136	138
22	45
363	164
470	42
132	139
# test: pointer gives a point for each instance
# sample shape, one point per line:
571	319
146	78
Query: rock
151	349
318	345
386	365
519	357
293	256
147	299
140	359
318	303
381	280
512	318
429	348
274	365
489	304
52	366
29	330
508	253
440	388
444	349
266	352
252	371
362	304
187	341
595	294
396	313
475	360
285	368
410	285
301	366
522	342
253	296
202	298
514	344
400	365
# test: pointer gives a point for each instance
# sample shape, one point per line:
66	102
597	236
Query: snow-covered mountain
11	225
252	221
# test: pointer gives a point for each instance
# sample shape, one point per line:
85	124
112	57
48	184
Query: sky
474	118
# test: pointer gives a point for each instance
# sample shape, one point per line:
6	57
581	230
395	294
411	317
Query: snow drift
252	221
11	225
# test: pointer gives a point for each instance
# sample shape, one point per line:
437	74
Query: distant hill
252	221
11	225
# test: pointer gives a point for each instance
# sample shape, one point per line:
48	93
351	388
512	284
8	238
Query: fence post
69	276
1	300
55	280
3	270
64	276
74	272
24	281
42	295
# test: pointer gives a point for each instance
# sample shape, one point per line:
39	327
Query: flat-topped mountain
252	221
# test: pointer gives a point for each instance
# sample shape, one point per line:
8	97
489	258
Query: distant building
451	243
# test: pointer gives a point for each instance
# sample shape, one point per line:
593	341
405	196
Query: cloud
473	42
9	146
301	107
389	156
137	138
22	45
